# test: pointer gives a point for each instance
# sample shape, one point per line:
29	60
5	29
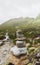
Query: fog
18	8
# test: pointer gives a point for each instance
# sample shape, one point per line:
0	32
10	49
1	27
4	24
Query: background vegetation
29	26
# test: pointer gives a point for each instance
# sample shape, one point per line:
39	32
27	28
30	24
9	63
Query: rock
4	53
21	60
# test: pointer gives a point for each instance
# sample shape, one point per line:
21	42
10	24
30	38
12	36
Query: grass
21	23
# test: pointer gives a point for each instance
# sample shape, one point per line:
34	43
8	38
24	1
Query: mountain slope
22	23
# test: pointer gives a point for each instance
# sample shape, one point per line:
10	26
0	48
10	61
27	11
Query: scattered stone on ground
4	52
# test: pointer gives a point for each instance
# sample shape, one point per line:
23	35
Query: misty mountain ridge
21	23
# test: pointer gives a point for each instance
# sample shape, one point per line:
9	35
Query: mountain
20	23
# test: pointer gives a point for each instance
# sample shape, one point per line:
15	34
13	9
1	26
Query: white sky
18	8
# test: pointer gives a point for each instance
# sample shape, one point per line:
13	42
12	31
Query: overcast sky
18	8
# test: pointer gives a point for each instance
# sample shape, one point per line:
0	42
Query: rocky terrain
4	52
5	55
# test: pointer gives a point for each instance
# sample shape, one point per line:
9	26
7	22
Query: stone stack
19	51
20	47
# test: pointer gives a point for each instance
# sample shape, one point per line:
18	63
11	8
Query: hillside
21	23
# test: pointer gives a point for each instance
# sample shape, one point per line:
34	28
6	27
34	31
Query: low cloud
18	8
